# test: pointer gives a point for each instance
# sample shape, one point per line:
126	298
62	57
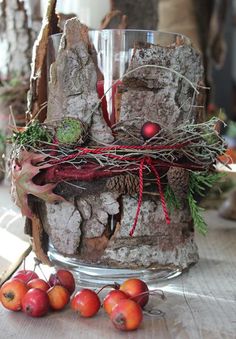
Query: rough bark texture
16	38
73	81
158	95
140	14
94	226
38	90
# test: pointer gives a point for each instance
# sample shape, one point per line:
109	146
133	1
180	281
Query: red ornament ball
149	129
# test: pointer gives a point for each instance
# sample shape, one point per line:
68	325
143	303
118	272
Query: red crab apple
127	315
25	275
38	283
35	303
59	297
64	278
112	299
86	302
137	290
11	294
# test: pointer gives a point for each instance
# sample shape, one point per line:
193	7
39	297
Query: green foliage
200	181
69	131
34	134
196	211
198	184
171	199
2	142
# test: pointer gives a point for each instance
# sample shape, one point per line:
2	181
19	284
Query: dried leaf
24	169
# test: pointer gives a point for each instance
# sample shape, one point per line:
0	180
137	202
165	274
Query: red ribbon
143	161
149	162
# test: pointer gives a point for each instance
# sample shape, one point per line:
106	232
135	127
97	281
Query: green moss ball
69	131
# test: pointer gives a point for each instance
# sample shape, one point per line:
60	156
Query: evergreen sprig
196	211
171	199
198	184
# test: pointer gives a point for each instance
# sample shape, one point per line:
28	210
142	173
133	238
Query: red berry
127	315
112	298
137	290
150	129
86	302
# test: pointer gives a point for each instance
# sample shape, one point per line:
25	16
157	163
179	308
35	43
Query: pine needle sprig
198	184
171	199
196	211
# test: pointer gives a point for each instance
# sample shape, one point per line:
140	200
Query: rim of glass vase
167	33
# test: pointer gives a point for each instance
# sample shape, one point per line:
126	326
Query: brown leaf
24	168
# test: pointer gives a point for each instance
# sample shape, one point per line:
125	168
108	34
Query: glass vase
129	98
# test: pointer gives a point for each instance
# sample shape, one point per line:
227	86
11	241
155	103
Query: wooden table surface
200	303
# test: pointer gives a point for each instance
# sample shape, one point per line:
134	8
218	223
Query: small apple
38	283
64	278
137	290
127	315
11	294
25	275
59	297
86	302
35	302
112	298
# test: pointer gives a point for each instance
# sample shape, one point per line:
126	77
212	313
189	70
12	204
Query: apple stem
157	291
38	264
116	286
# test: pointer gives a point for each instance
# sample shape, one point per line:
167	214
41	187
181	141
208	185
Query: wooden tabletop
200	303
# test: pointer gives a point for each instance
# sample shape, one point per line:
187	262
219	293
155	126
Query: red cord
140	196
148	161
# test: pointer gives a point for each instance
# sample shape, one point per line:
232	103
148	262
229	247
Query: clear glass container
114	50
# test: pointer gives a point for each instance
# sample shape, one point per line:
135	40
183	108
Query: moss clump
33	135
70	131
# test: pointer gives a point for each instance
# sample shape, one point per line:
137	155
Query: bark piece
161	244
160	94
37	96
62	222
98	207
37	235
73	81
